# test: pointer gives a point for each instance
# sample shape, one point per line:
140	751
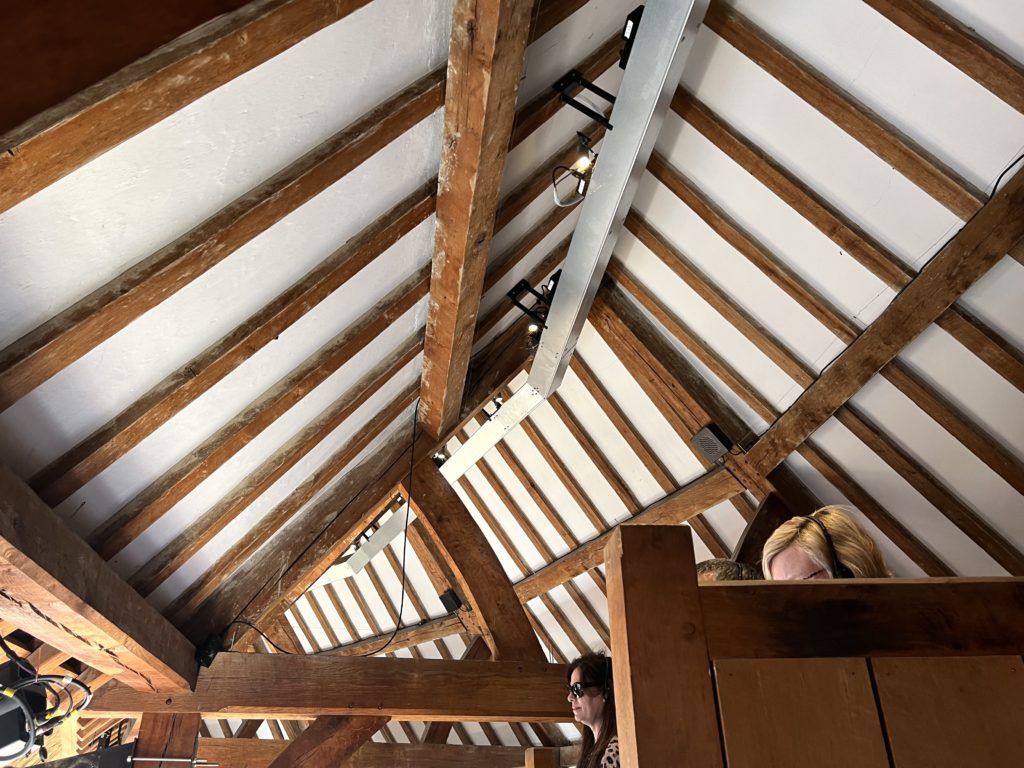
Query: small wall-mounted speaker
450	601
711	442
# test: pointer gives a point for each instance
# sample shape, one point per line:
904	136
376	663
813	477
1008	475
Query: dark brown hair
596	669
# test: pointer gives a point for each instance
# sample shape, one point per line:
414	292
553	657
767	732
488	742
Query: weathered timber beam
959	45
500	615
79	465
54	586
160	496
234	594
282	686
407	637
864	617
329	740
259	753
982	242
57	343
658	635
485	61
277	578
167	735
965	327
202	529
63	138
880	137
703	493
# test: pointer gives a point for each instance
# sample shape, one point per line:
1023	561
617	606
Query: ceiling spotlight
533	329
439	458
581	170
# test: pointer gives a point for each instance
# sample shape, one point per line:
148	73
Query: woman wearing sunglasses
593	704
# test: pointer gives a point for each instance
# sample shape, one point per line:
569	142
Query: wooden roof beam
283	686
58	342
259	753
982	242
454	532
968	329
703	493
280	577
329	741
56	588
485	61
959	45
79	465
61	139
882	138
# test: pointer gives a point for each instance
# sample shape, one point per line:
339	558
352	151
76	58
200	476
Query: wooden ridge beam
710	489
959	45
982	242
57	343
161	495
59	590
883	139
288	687
259	753
485	60
63	138
79	465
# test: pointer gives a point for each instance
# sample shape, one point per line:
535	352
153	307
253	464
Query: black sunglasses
577	689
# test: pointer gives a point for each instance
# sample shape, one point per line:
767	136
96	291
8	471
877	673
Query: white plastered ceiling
84	230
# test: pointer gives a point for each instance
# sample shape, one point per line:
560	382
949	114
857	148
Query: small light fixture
581	170
439	458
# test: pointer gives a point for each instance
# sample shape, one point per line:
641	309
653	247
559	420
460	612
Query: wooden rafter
66	137
329	741
259	753
239	685
966	328
276	579
65	338
982	242
484	63
82	463
56	588
703	493
958	45
885	140
475	565
157	499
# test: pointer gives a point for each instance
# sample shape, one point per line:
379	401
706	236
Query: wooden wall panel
792	713
943	712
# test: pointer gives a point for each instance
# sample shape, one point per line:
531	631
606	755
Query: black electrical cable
995	188
405	546
405	541
21	663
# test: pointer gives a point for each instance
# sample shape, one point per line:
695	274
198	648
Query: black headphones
607	691
839	570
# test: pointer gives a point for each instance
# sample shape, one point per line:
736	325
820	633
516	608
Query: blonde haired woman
827	545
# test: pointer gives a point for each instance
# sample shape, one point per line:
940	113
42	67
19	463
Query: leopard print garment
611	754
